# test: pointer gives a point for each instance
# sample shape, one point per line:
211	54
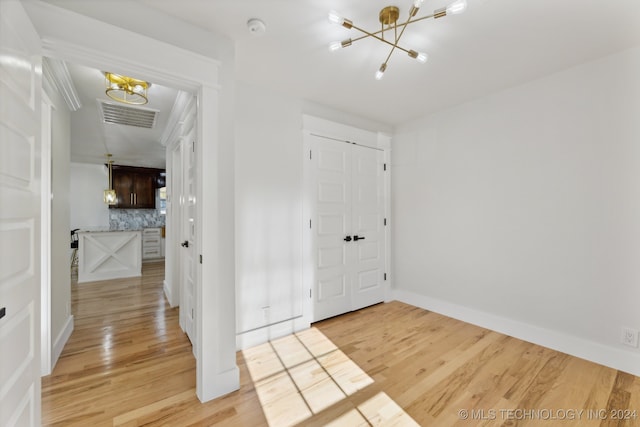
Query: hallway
128	362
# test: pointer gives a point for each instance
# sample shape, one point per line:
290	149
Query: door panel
349	200
368	222
20	89
145	190
188	240
123	185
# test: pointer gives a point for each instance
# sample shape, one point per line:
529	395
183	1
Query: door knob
185	244
347	239
356	238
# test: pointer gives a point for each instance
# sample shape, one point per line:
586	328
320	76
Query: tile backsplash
135	219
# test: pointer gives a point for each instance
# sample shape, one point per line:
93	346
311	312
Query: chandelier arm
375	36
405	24
422	18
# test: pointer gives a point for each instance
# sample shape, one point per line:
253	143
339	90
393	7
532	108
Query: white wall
521	210
88	181
61	319
268	205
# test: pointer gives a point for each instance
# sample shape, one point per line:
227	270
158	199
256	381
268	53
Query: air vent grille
126	115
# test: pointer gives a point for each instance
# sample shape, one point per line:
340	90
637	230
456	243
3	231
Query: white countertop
103	230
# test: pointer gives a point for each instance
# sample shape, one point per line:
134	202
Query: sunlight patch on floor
303	374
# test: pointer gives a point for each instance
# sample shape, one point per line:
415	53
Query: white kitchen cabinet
108	255
151	238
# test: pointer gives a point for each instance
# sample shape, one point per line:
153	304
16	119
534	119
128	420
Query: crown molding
56	71
176	117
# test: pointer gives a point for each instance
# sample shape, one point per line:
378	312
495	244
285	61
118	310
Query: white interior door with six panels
20	195
348	226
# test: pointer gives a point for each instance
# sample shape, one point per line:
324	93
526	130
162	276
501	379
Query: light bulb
380	72
417	3
457	7
335	46
422	57
334	18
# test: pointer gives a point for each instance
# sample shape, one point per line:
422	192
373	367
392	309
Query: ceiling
494	45
92	138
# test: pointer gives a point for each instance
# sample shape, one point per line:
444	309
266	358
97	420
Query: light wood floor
128	363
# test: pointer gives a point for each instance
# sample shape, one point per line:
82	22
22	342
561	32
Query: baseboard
60	341
595	352
167	293
271	332
223	383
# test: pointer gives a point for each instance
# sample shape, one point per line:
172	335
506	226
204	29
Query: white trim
167	293
215	302
595	352
45	237
385	141
57	72
308	206
181	107
73	52
61	340
271	332
328	129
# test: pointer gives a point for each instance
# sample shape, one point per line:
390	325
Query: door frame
216	370
337	131
46	346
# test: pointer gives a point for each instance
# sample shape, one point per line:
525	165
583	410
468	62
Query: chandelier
109	196
389	23
126	89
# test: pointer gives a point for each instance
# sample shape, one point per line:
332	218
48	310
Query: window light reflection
301	375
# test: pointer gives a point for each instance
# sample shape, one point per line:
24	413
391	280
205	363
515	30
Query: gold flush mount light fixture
109	196
126	89
388	17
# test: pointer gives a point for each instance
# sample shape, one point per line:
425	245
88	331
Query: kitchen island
105	255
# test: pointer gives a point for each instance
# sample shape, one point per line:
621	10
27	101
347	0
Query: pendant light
109	195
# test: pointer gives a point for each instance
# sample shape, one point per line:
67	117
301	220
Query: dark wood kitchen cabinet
135	187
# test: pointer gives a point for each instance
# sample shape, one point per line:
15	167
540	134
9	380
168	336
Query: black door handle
356	238
347	239
185	244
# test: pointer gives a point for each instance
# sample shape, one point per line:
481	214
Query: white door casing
46	361
20	203
348	239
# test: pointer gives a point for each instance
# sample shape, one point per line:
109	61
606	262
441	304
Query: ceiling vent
126	115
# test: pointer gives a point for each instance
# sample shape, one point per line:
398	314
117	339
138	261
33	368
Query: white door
20	139
332	194
367	226
188	240
348	235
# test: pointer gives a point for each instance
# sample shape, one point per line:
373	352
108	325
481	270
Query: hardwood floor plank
128	363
